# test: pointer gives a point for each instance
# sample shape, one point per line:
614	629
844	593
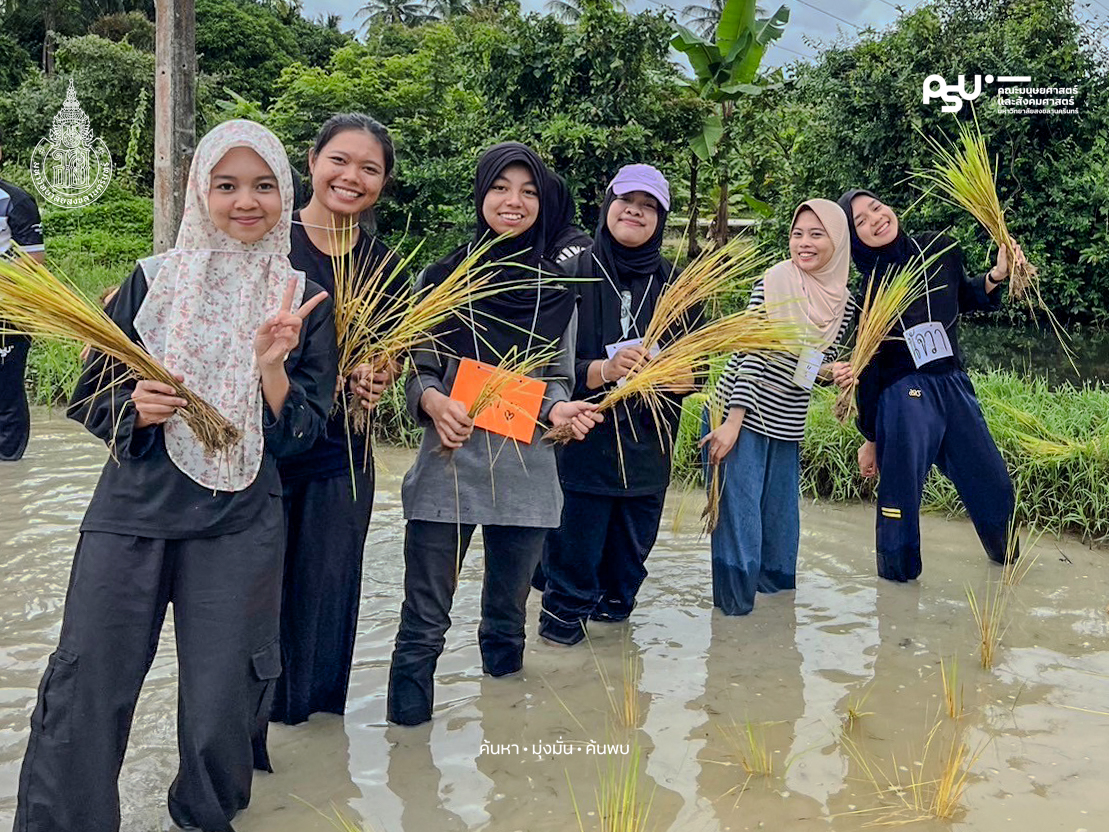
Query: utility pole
174	114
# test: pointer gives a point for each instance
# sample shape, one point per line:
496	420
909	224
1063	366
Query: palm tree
702	19
383	12
570	11
443	9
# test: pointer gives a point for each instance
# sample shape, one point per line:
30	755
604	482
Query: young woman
568	240
170	523
594	562
917	407
327	516
766	397
511	491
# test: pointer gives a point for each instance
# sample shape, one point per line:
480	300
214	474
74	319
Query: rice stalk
711	513
966	177
35	301
513	367
715	272
620	806
1016	568
952	689
885	302
693	354
625	708
990	618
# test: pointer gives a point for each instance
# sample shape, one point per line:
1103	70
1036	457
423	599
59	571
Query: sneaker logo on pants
915	393
891	513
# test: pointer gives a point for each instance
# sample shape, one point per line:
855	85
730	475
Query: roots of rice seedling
711	512
212	430
560	435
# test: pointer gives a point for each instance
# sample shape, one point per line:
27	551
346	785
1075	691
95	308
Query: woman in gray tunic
465	476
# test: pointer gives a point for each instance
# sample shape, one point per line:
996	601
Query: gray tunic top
490	479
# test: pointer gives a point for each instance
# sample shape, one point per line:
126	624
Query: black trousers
15	417
225	593
326	530
433	554
926	419
594	562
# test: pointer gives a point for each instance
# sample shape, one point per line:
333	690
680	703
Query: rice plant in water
855	705
36	301
749	743
932	787
952	689
623	704
620	806
990	618
885	302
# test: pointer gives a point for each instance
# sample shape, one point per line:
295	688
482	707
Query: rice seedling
712	274
620	806
990	618
750	746
855	712
36	301
952	689
625	705
885	302
932	787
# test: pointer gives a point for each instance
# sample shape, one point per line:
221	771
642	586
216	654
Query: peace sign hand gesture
278	336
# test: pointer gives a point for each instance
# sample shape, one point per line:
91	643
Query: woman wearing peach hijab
765	397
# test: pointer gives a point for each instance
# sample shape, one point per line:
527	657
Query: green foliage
1063	488
133	28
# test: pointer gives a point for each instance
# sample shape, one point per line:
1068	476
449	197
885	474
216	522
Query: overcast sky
811	19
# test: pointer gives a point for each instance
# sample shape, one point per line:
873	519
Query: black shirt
330	456
141	492
593	465
950	292
19	223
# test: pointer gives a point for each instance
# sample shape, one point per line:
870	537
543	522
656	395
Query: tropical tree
570	11
397	12
725	69
445	9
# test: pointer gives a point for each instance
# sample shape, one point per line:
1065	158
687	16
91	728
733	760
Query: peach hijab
816	300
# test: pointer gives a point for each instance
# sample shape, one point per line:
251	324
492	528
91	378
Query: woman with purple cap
595	560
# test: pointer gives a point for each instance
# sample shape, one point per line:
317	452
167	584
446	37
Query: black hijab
566	234
869	261
526	317
641	270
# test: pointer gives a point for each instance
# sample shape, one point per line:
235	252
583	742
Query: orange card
514	407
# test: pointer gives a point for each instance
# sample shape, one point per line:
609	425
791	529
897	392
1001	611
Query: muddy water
794	669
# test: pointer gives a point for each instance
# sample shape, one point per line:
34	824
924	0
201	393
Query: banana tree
725	69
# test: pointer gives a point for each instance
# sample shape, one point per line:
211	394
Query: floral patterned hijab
207	297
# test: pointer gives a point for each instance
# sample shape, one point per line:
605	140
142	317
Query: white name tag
928	342
612	349
808	365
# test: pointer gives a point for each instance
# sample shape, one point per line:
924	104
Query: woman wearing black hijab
511	491
916	404
594	562
568	240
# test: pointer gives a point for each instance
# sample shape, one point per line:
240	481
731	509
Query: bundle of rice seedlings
620	807
711	513
35	301
691	355
965	175
885	302
751	747
990	618
712	274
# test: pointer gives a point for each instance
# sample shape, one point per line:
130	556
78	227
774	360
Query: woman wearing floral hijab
170	523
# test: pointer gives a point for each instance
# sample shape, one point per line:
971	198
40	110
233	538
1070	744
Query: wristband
602	372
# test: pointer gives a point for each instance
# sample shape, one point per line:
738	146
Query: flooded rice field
835	690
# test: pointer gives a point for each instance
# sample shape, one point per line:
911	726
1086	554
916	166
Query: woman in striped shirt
766	397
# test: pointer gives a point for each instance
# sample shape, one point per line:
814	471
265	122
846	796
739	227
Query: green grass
1059	460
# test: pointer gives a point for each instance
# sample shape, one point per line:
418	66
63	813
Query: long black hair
341	123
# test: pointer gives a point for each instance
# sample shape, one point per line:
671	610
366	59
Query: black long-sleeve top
141	492
593	465
950	292
330	455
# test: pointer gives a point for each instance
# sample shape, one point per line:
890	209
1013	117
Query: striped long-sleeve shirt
762	383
